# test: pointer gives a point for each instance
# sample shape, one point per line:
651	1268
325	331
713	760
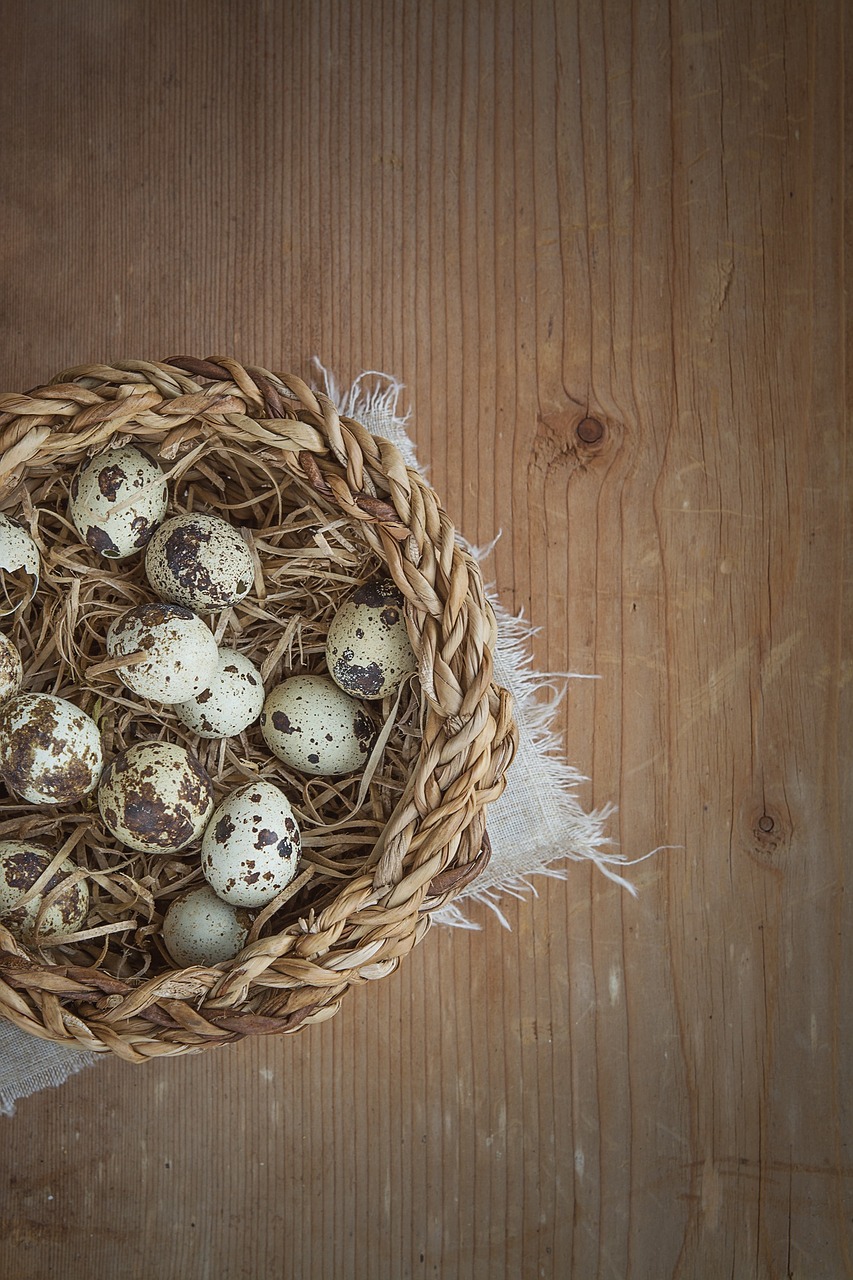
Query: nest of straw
324	505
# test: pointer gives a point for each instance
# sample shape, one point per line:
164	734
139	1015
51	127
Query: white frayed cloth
536	825
28	1065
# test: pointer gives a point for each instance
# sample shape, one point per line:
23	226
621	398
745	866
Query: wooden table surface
531	212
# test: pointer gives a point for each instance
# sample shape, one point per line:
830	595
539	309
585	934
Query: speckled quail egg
230	703
367	649
201	561
117	500
155	797
251	846
182	653
313	726
21	864
20	564
50	750
200	928
11	669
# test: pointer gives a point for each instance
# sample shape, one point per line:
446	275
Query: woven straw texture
324	505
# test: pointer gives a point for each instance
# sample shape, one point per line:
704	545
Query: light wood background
530	211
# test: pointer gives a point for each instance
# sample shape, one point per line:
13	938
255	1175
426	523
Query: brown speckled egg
11	669
117	500
20	566
182	653
50	750
230	703
313	726
200	928
368	650
155	797
251	846
201	561
21	864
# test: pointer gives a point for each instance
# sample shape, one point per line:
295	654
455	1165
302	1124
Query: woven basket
419	837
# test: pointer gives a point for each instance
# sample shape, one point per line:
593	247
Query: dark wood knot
590	432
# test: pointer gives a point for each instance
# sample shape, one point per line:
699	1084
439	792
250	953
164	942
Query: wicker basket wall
324	505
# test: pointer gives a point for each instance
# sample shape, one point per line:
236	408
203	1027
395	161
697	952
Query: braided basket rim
427	852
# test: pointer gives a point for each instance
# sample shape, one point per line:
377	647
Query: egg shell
201	561
20	565
117	500
21	864
368	651
201	928
251	846
182	653
50	750
310	724
231	702
11	669
155	797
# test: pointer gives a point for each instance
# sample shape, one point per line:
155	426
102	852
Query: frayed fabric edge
373	400
520	887
357	402
579	835
48	1077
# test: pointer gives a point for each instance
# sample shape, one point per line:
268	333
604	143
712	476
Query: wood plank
532	214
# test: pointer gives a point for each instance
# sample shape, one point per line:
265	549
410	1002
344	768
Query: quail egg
50	750
200	928
250	849
155	797
231	702
117	500
20	565
11	669
182	653
313	726
21	864
367	649
201	561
